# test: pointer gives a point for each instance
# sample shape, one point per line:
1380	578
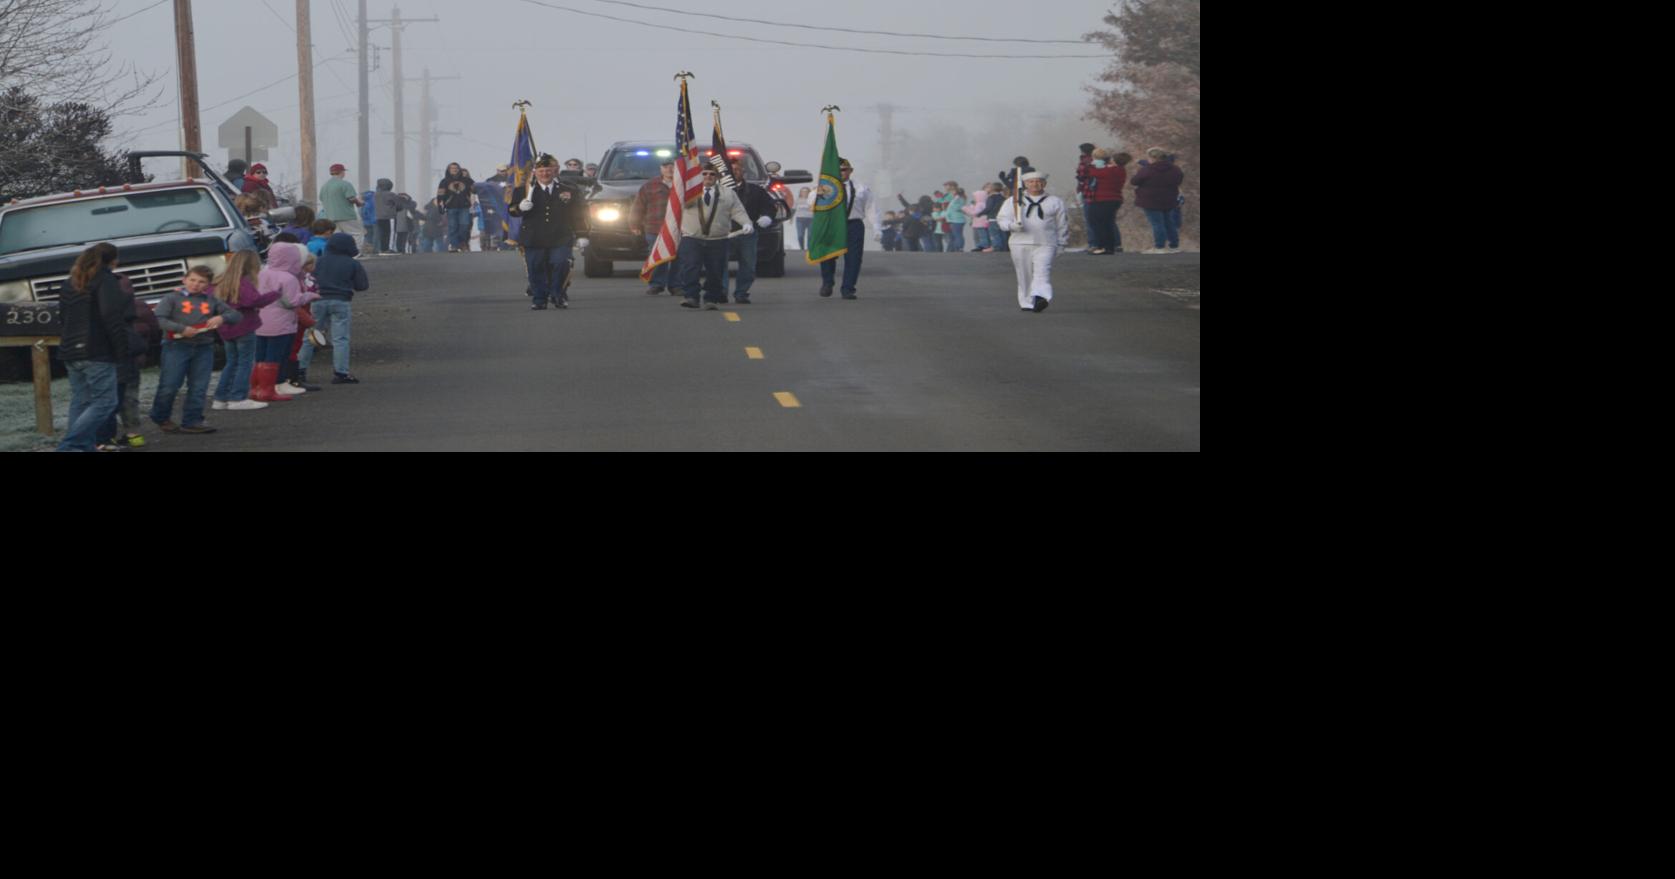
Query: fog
594	81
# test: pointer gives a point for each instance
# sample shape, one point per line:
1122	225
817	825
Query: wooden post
305	86
187	64
41	366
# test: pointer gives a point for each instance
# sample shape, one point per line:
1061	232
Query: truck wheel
596	268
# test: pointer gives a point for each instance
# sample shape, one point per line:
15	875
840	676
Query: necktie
851	188
709	198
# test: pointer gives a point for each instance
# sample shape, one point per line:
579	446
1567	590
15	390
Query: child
279	320
187	316
293	384
302	226
142	330
237	287
321	231
340	277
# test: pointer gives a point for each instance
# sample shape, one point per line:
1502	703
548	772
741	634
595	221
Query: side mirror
794	177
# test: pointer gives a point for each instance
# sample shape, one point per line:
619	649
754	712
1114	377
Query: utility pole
397	25
305	80
427	128
186	52
364	160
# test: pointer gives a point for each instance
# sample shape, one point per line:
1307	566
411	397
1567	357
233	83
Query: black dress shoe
538	306
1041	305
850	296
689	303
825	289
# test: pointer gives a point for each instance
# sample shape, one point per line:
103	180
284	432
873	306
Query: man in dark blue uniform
553	214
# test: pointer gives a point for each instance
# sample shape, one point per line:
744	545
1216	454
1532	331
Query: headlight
16	291
608	215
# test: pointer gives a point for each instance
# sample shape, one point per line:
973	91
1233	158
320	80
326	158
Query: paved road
935	355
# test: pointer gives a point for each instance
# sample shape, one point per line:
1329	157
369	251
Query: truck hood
150	248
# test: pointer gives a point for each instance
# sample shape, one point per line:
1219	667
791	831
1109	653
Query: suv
160	230
628	165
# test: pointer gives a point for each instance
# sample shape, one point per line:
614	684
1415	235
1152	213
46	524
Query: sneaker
132	441
689	303
1153	251
654	290
289	390
344	378
110	446
218	405
245	406
711	306
199	428
741	300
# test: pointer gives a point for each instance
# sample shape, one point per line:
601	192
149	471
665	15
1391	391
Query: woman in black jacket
95	340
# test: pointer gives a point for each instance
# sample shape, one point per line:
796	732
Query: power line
803	45
840	29
292	28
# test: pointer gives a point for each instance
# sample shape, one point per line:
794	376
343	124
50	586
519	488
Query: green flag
829	238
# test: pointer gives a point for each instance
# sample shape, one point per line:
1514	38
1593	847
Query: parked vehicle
628	165
160	230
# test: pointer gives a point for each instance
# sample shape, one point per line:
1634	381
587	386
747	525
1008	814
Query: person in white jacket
1039	230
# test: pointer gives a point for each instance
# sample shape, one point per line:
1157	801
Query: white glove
764	221
581	243
527	205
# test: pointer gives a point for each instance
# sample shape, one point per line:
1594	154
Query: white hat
1035	175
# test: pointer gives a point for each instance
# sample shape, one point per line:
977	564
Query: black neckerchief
1036	207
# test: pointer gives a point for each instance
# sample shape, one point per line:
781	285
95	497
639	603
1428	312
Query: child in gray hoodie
189	317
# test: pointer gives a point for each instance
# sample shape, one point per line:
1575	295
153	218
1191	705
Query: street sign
248	135
33	320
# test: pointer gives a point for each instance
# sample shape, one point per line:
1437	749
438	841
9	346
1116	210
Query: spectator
979	221
1104	192
94	341
318	233
387	205
998	237
456	187
1158	192
1084	164
805	215
338	202
369	218
278	329
890	231
256	183
189	318
301	224
237	287
142	331
953	213
340	277
491	207
433	236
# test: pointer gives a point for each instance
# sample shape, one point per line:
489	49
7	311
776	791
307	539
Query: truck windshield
644	163
128	215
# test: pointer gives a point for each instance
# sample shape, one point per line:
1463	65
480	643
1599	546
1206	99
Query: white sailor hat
1034	175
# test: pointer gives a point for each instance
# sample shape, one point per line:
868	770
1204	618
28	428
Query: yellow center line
732	316
788	400
754	354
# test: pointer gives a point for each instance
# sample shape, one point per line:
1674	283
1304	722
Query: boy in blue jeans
340	276
189	317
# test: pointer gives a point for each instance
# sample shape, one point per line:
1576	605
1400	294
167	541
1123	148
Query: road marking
788	400
754	353
732	316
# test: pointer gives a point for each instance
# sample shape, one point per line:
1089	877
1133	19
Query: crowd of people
270	317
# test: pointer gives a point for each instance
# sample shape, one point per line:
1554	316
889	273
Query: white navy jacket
1044	221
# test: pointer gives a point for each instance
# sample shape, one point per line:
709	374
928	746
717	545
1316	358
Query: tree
1153	98
57	69
54	148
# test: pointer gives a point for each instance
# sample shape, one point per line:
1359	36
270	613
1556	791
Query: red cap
258	167
337	168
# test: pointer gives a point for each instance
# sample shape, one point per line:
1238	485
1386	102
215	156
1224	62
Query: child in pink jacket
283	275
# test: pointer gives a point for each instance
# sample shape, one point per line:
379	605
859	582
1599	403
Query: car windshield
644	163
104	219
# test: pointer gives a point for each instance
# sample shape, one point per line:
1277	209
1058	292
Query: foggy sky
594	81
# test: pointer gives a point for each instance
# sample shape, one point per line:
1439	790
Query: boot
301	381
262	379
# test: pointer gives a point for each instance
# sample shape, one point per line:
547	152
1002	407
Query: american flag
687	188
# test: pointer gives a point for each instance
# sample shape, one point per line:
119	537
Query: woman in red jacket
1105	188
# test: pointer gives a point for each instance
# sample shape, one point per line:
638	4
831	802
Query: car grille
150	279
